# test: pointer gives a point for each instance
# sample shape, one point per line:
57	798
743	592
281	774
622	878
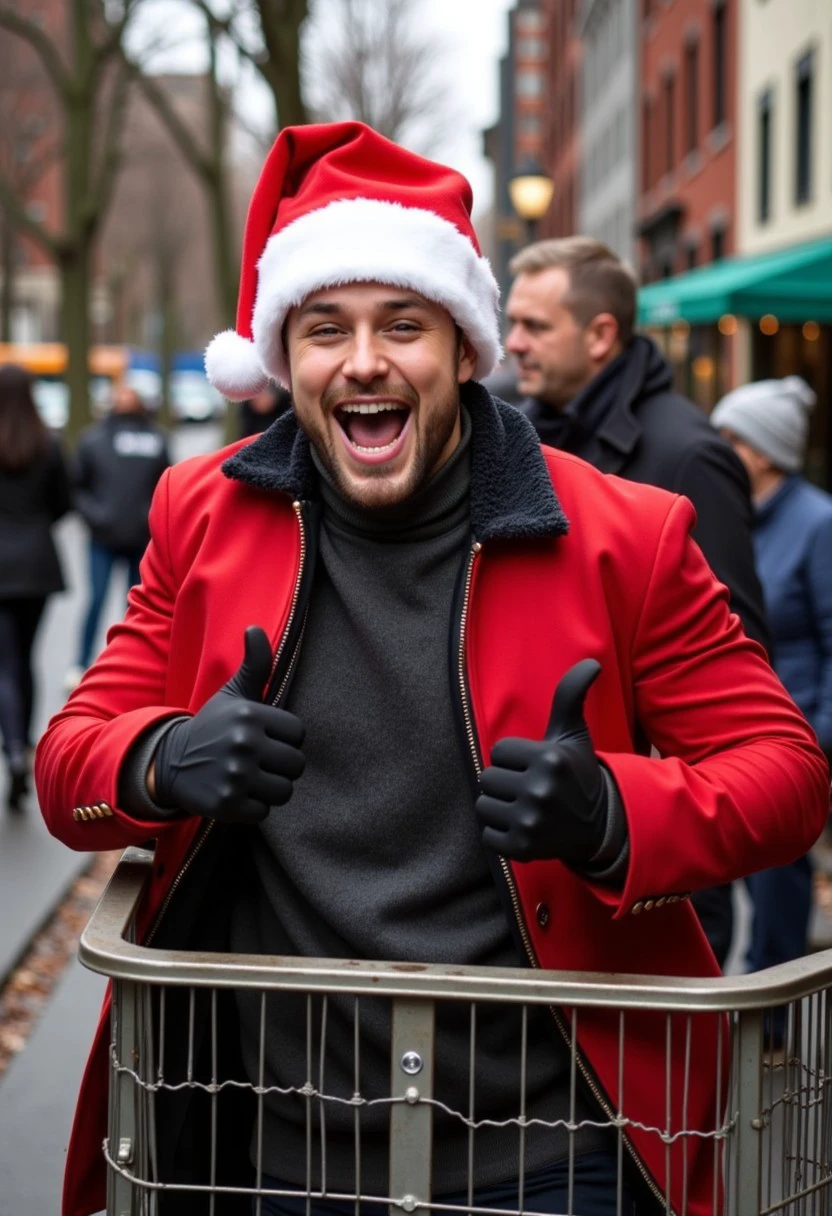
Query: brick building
686	184
29	159
687	171
561	141
520	133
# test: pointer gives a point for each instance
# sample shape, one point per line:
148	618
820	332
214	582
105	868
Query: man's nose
365	359
517	343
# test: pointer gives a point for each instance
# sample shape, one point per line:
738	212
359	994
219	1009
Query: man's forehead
539	291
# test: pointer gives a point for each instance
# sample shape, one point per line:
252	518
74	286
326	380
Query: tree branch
38	40
23	222
111	157
180	133
110	45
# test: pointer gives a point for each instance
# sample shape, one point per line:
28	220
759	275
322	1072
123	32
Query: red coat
742	785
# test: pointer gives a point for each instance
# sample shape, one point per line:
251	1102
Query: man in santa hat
387	690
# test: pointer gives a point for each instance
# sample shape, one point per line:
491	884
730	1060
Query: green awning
795	284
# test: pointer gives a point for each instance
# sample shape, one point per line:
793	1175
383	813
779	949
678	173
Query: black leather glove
237	757
548	799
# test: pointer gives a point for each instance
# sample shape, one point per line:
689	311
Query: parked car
193	399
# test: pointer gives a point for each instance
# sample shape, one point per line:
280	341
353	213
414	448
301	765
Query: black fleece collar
608	402
511	492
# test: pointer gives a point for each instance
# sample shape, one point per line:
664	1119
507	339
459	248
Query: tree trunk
166	304
225	261
75	297
76	257
7	269
281	24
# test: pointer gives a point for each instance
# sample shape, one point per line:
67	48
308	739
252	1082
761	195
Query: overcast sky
473	36
475	33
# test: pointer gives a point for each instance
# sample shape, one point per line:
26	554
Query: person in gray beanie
768	425
771	416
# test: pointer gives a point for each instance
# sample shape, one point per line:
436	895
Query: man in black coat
117	464
594	388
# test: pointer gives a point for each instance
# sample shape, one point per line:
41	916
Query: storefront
748	319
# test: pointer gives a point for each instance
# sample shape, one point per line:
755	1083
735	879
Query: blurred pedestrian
117	465
767	423
597	389
260	411
34	493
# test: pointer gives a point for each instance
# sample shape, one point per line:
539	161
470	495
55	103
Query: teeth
370	407
360	448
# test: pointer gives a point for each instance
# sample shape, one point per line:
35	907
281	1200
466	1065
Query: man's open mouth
373	429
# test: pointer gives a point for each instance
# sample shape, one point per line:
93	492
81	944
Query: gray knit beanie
771	416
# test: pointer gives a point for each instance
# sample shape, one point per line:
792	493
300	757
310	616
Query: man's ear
466	361
602	339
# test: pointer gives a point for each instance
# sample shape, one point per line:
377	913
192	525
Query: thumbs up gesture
236	758
548	799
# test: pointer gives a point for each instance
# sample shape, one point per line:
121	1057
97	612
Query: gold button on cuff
649	905
101	810
636	908
661	901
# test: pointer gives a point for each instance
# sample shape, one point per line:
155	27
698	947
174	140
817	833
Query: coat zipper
210	824
298	509
470	732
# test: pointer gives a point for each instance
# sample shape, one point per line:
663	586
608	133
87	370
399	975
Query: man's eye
325	331
405	327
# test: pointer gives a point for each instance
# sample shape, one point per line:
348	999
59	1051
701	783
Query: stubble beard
376	489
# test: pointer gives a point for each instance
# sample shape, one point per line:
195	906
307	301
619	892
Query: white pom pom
233	367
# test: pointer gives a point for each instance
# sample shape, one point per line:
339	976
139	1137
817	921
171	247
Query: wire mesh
347	1098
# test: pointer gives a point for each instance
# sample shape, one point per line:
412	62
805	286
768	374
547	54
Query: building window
764	132
692	96
718	244
530	124
531	48
529	20
529	84
720	16
803	140
692	257
669	123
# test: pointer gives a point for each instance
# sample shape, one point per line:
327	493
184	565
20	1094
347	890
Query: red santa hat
337	203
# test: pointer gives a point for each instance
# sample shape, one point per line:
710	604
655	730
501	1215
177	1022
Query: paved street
37	1094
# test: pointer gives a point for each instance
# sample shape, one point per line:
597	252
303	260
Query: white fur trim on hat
366	240
233	366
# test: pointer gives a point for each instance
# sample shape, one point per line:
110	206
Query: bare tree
90	85
275	50
28	148
207	155
369	60
156	242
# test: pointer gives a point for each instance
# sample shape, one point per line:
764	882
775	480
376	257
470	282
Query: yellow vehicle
47	362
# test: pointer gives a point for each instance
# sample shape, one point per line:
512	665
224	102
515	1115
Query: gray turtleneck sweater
378	855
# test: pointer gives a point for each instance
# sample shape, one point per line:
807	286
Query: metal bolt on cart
770	1135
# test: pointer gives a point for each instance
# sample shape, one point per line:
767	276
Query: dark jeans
782	900
102	560
594	1194
19	620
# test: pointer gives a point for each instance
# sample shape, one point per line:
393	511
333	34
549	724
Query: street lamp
531	192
